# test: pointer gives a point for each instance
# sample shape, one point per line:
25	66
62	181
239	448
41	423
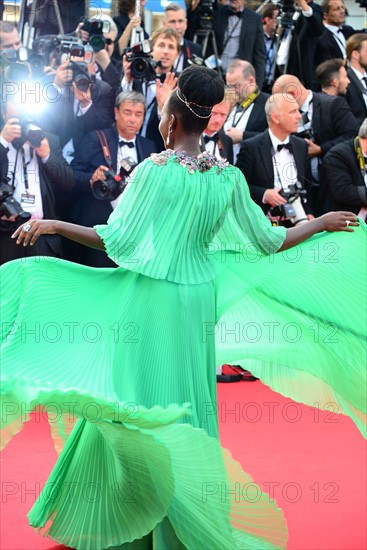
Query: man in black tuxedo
357	74
76	109
36	175
247	117
214	140
275	159
307	28
326	121
332	43
158	86
345	173
239	35
175	18
125	145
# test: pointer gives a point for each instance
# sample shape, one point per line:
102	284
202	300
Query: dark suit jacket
227	146
252	46
327	46
56	177
332	120
113	75
256	163
301	59
355	96
84	208
345	185
60	119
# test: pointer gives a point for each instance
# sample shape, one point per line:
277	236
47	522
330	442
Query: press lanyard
25	165
246	103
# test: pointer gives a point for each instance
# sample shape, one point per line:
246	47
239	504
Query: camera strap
105	149
25	166
15	169
231	33
246	103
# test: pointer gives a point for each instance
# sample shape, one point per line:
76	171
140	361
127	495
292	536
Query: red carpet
312	462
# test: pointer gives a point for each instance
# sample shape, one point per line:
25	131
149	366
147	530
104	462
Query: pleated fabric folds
131	353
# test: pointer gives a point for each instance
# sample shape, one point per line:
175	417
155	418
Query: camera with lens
205	11
286	17
114	184
29	132
96	28
9	207
14	65
42	49
293	209
142	63
80	77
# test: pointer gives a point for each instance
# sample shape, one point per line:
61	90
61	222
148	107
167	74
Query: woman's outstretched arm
29	232
332	221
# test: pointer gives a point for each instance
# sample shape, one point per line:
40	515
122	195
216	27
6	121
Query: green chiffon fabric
131	353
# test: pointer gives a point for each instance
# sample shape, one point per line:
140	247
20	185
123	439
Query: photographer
156	81
326	120
275	162
102	42
308	26
35	175
9	37
238	33
345	173
83	104
17	64
126	148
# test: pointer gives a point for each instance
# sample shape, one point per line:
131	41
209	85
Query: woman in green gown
131	352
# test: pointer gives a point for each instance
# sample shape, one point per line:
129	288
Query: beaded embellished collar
203	162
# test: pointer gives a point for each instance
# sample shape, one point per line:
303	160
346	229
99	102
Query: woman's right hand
30	231
339	221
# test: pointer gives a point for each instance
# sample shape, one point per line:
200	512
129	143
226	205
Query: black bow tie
236	13
130	144
285	146
211	138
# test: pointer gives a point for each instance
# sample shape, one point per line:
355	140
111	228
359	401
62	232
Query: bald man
275	159
326	121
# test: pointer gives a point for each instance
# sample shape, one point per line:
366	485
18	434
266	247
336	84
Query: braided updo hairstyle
199	89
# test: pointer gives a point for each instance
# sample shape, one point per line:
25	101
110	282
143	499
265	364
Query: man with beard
333	77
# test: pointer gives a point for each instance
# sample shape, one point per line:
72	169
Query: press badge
27	200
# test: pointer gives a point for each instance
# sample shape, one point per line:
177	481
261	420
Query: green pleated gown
131	354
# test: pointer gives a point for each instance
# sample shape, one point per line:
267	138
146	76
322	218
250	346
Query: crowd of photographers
79	111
